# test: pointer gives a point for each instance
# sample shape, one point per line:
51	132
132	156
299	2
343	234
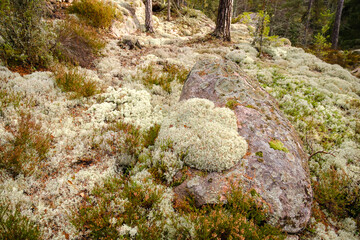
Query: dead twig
318	152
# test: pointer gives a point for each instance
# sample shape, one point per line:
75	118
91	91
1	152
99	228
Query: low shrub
14	226
96	13
336	192
28	148
24	34
121	208
75	82
77	43
244	216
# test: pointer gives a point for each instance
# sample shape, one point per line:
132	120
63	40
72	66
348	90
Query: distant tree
335	32
148	16
308	17
168	10
223	21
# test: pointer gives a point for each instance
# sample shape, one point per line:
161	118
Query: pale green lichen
278	145
205	136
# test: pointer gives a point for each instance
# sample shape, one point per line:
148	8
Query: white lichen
200	135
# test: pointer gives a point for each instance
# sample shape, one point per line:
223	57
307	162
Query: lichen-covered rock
275	165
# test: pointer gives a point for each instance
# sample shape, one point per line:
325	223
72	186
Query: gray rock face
275	164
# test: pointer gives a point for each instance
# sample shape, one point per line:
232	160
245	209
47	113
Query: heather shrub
26	41
77	43
125	208
96	13
14	226
75	82
27	149
244	216
336	192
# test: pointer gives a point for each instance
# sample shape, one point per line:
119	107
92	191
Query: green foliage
77	43
243	18
118	202
28	148
209	7
321	41
25	37
76	83
336	192
244	216
163	77
14	226
278	145
96	13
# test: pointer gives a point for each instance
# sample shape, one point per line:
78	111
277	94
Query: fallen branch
323	152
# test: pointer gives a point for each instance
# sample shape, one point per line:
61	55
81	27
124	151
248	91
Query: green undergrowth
164	76
26	151
76	83
346	59
136	207
338	194
121	208
26	39
14	226
96	13
244	216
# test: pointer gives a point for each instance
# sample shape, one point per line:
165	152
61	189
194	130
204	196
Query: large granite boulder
275	164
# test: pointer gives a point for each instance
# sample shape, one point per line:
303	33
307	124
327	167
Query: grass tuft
14	226
77	83
28	148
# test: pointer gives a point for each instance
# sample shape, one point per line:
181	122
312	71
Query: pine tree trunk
168	10
148	16
223	20
308	21
336	29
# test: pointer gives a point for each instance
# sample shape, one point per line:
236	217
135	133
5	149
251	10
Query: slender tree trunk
308	21
336	29
168	10
148	16
223	21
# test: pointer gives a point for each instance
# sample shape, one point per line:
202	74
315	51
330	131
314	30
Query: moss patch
278	145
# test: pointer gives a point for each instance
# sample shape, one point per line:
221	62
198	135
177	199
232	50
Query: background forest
291	18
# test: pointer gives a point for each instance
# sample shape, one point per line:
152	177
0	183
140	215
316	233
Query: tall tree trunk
148	16
308	21
336	29
168	10
223	21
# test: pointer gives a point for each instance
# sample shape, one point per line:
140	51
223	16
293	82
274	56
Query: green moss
231	103
259	154
278	145
250	106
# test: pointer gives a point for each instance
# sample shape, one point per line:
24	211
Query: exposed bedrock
275	164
